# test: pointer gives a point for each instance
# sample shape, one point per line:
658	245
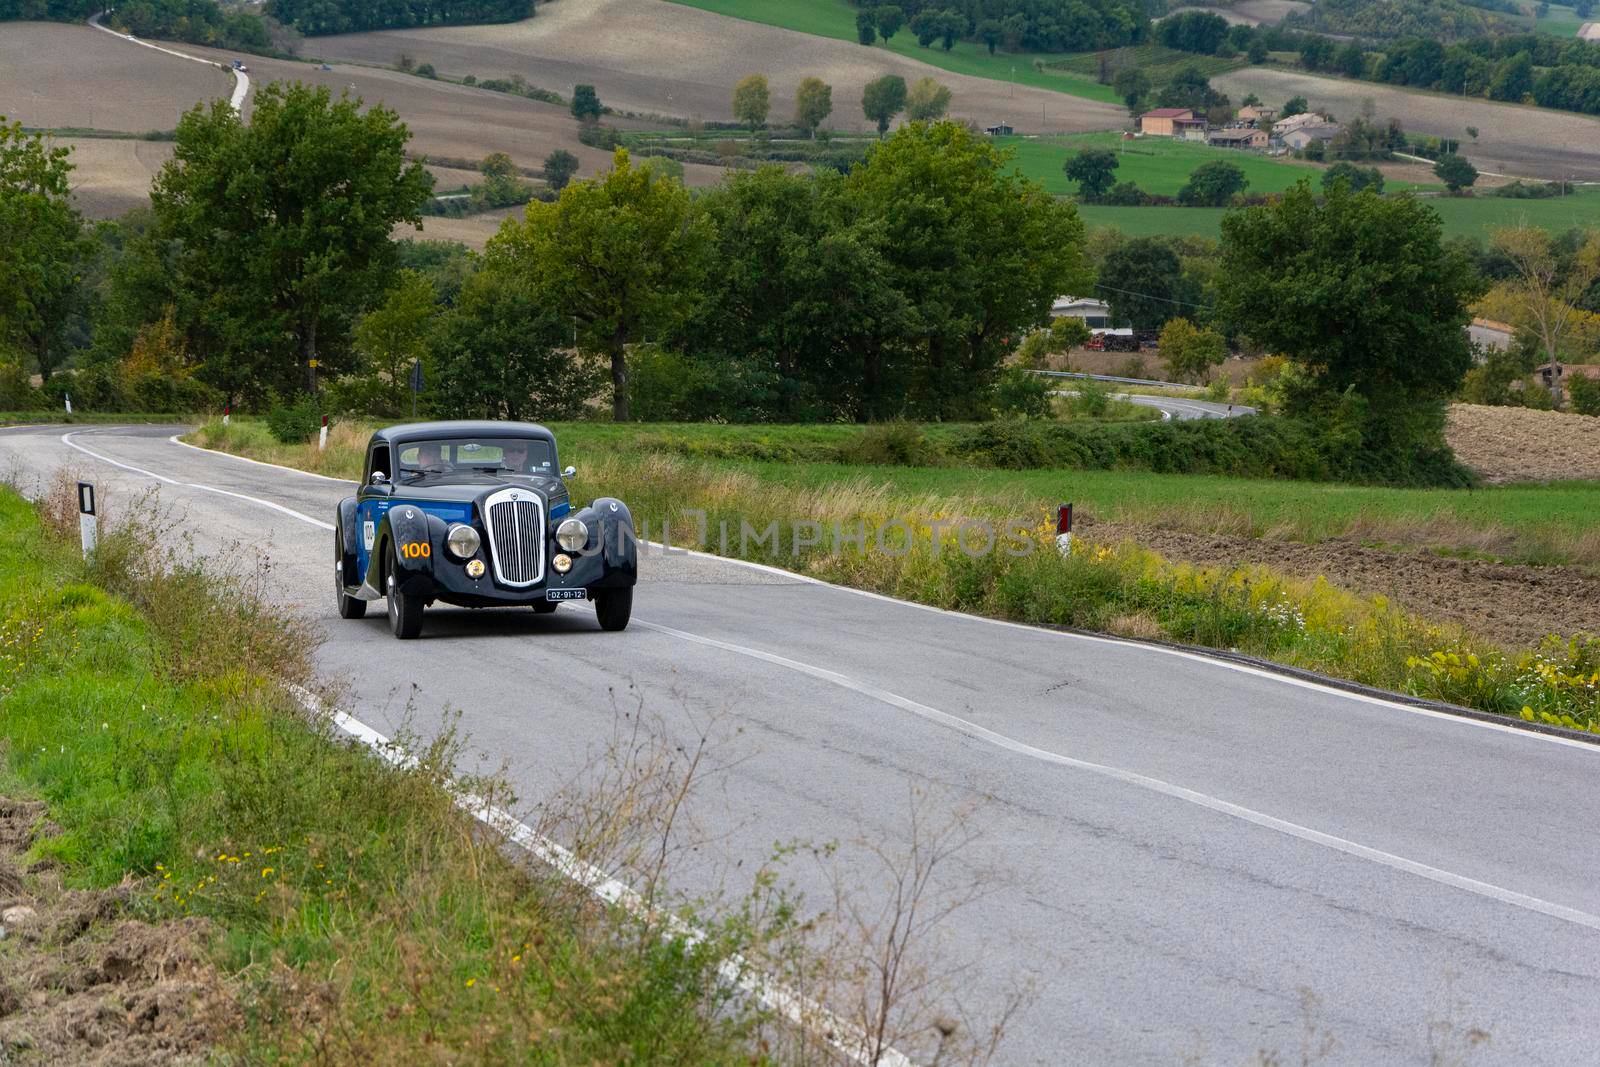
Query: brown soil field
56	75
1509	604
112	177
652	57
1521	445
473	231
1513	139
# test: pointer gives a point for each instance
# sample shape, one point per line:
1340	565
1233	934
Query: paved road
241	80
1175	847
1179	408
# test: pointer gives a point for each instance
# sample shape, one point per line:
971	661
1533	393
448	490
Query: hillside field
1463	216
1158	164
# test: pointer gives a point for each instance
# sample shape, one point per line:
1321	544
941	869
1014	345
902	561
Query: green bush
1585	394
16	392
898	444
295	420
1020	392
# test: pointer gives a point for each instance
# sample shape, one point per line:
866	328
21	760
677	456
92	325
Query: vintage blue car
477	514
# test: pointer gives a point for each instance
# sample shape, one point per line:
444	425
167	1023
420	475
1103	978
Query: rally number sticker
416	550
369	534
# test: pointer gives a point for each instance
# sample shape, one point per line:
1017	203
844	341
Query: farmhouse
1565	372
1001	129
1096	314
1255	113
1294	122
1191	129
1301	136
1238	137
1490	333
1160	122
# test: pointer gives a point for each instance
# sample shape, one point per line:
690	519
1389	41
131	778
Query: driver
514	456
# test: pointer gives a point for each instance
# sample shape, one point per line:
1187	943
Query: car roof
413	431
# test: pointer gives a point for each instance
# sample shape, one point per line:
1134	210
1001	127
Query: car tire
349	607
405	612
544	607
613	607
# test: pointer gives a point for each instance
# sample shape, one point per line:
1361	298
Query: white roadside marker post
68	397
88	523
227	410
1064	529
322	437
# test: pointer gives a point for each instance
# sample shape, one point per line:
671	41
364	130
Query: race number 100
416	550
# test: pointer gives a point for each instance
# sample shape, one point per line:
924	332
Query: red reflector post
1064	519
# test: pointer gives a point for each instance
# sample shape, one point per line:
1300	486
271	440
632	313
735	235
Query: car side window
379	462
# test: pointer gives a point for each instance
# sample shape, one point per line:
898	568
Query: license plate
566	594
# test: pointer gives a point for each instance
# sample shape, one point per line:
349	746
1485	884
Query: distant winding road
1173	847
241	80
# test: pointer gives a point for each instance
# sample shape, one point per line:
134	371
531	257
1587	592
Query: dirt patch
110	178
81	982
1509	604
1521	445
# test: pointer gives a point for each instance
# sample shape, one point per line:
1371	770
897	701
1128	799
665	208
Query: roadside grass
1555	523
362	917
1471	216
34	418
837	19
784	513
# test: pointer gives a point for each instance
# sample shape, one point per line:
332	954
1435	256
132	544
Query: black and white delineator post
88	527
227	410
322	436
1064	529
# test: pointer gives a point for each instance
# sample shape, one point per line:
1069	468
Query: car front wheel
405	612
613	607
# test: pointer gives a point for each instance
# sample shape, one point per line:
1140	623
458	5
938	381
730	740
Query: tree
1456	172
622	253
586	104
951	25
502	353
1545	292
1213	184
44	245
1257	51
284	226
1190	353
978	252
1190	88
1295	105
991	33
1142	280
1133	85
883	99
866	27
393	336
813	102
1094	170
1513	78
1361	292
1352	60
889	20
1358	178
559	168
752	101
927	100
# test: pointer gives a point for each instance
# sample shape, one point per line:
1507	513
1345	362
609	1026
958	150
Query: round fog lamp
462	541
475	569
572	535
562	563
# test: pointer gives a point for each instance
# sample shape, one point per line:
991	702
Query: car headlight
572	535
463	541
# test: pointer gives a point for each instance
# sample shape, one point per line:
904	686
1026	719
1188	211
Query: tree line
1014	25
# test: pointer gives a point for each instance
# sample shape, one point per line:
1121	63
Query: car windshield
495	455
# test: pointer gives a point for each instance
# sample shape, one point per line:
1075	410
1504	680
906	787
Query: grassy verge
1120	589
357	913
837	19
25	418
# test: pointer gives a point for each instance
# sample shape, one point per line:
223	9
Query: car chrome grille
515	521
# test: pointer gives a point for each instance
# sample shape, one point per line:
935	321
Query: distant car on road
476	514
238	64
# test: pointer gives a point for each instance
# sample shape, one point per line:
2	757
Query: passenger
514	457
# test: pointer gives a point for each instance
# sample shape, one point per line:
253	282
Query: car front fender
417	539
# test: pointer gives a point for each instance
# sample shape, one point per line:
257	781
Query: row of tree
925	100
1015	25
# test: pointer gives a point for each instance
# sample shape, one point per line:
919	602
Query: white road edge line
1156	785
67	440
260	462
1194	657
843	1037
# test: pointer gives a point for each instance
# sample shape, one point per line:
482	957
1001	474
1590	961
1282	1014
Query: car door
371	502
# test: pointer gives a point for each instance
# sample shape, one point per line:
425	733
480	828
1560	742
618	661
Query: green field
837	19
1562	21
1156	60
1463	216
1158	165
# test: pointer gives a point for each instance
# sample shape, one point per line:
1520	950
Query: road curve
241	80
1173	847
1172	407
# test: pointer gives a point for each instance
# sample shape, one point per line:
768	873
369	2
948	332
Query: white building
1096	314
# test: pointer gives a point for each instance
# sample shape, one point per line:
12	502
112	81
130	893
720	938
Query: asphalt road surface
1178	407
1174	848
